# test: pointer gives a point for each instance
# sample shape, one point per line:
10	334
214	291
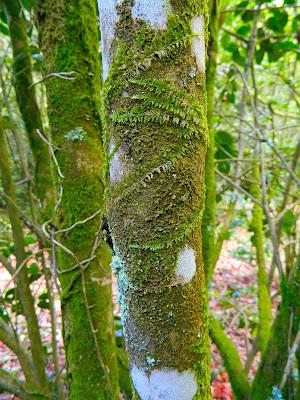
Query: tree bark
156	136
69	41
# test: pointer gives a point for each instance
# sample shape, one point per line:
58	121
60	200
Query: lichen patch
165	383
154	13
186	265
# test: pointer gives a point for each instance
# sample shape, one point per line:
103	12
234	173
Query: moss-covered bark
238	379
21	278
263	294
22	79
156	135
69	41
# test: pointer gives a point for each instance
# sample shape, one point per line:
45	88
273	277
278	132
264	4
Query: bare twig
23	263
290	361
79	222
52	152
62	75
242	190
262	9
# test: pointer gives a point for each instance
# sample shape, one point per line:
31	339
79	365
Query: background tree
69	42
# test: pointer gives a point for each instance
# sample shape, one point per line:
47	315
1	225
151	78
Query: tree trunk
263	294
156	135
209	216
69	41
22	79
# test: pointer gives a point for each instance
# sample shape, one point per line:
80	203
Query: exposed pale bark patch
198	45
166	383
154	13
116	167
108	20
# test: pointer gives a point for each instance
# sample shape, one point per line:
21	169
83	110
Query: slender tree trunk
23	289
263	294
22	79
69	41
156	133
209	216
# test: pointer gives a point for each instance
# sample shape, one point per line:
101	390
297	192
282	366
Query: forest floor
232	299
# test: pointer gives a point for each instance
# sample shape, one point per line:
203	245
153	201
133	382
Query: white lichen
154	13
76	134
116	165
165	383
198	45
186	265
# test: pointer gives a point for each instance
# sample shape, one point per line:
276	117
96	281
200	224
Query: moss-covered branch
238	379
264	300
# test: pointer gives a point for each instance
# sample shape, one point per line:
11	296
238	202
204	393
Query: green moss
154	113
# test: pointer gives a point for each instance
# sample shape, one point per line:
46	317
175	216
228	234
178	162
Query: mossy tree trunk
69	41
156	135
22	80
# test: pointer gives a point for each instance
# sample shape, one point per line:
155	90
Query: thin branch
51	150
23	263
62	75
13	385
262	9
242	190
290	361
79	222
